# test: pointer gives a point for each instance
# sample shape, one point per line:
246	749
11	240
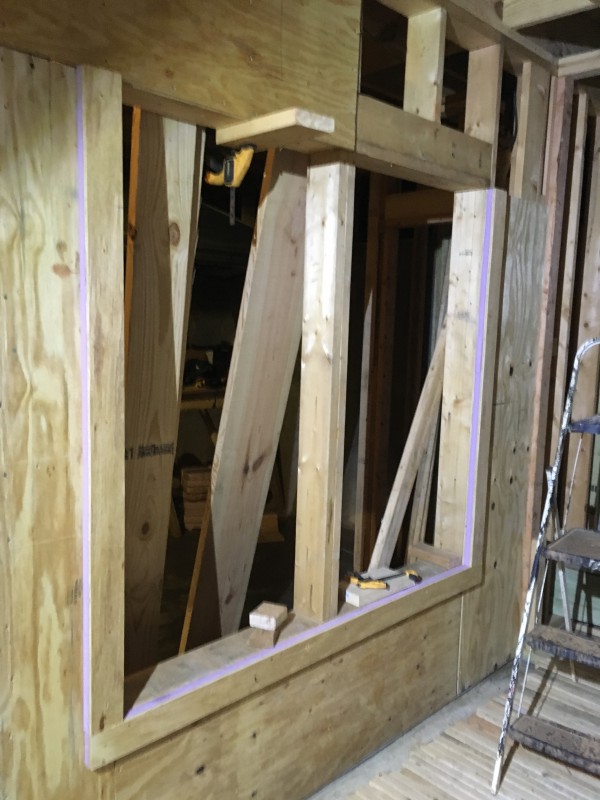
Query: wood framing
326	306
167	218
423	207
580	66
424	72
482	110
521	13
527	166
265	350
293	128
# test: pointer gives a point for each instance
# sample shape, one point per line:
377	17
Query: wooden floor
458	764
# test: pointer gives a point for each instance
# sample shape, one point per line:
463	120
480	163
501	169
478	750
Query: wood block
268	616
358	597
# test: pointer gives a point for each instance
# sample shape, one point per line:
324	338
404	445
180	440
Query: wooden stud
482	111
414	450
329	222
472	320
585	400
168	205
423	79
496	605
527	165
134	163
571	239
264	354
555	180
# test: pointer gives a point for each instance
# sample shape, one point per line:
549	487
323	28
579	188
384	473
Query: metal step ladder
577	549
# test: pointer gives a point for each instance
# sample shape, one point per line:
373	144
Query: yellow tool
232	173
367	582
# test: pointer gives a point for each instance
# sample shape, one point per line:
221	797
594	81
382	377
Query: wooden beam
482	111
569	258
414	450
477	252
423	207
101	268
329	222
239	77
398	143
580	66
521	13
584	403
264	353
555	180
527	165
424	73
42	439
292	128
496	605
168	204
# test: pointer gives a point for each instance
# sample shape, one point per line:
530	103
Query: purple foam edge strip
85	420
485	259
248	661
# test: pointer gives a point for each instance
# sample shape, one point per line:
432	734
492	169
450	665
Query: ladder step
559	742
588	425
579	548
565	645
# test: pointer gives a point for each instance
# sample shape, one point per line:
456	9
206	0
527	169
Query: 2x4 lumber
402	144
292	128
167	218
477	251
555	180
482	110
101	271
496	605
521	13
580	66
569	259
264	353
381	274
424	73
414	451
527	164
413	209
42	324
280	56
326	302
473	25
584	402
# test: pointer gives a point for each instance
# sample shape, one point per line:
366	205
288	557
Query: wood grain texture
482	110
99	101
41	738
264	354
260	57
292	128
253	748
495	607
522	13
424	71
167	214
472	320
325	316
527	164
420	149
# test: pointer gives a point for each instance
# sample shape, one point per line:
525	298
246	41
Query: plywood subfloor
456	762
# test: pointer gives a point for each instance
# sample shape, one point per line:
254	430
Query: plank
404	145
555	182
264	353
412	456
423	207
522	13
473	310
326	306
482	109
527	163
252	746
101	271
251	72
579	66
42	509
167	214
573	201
497	604
584	402
292	128
424	70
